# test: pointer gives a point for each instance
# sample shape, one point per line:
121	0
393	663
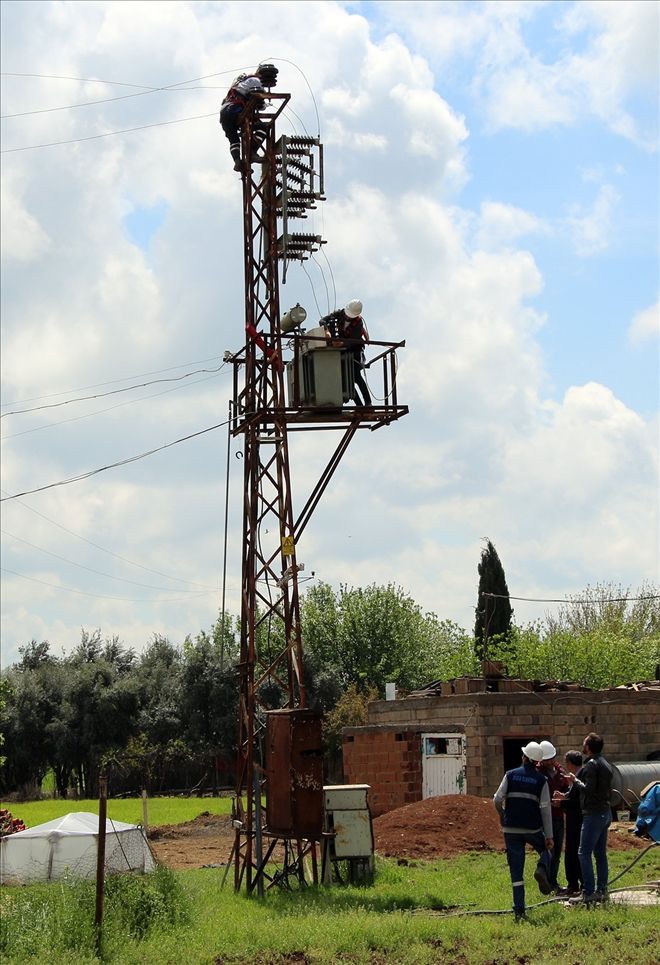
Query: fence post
100	862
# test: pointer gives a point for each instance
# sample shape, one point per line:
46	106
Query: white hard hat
549	750
354	308
533	751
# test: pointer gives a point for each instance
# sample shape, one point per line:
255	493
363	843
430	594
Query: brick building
445	742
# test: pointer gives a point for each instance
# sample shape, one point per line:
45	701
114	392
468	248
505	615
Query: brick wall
386	754
389	761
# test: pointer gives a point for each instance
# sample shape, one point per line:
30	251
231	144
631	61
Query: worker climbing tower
285	380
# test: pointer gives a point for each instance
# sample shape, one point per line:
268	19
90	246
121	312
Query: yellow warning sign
288	545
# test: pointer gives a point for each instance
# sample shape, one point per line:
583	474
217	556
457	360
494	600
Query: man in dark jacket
595	785
570	804
523	803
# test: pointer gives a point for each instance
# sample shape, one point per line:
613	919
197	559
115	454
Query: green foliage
56	922
368	636
161	810
415	914
493	613
349	711
591	640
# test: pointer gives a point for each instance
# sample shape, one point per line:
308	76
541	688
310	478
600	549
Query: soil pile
439	827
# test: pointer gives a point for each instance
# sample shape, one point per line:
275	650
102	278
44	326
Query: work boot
519	914
542	879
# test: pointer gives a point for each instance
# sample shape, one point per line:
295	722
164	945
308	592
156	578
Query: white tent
68	845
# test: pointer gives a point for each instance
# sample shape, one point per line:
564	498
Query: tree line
167	717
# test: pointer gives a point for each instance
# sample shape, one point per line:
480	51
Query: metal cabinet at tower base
348	830
443	764
294	774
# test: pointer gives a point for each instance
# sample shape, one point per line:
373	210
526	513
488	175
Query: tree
493	611
367	636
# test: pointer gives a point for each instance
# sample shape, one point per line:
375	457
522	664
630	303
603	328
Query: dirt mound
438	827
204	825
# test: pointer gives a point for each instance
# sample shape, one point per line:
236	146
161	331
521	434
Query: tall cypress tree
493	613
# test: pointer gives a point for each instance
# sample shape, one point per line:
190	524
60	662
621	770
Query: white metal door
443	764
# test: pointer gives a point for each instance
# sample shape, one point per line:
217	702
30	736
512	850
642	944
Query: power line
110	408
95	137
96	596
112	465
98	385
121	579
101	395
103	549
614	599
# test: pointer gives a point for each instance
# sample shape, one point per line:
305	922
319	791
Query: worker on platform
523	803
348	327
246	89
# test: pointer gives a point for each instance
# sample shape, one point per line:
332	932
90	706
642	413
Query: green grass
161	810
414	914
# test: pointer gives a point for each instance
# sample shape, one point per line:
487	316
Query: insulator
268	74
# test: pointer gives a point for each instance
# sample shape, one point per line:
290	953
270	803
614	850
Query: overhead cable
95	137
121	579
112	465
107	100
110	408
531	599
96	596
98	385
101	395
104	549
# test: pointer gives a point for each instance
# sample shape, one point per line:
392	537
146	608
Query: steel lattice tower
284	187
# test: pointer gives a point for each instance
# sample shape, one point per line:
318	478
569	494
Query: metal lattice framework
283	188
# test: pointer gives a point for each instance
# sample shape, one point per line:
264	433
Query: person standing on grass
523	802
595	784
557	781
570	803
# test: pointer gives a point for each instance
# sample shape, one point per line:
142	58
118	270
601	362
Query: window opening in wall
512	748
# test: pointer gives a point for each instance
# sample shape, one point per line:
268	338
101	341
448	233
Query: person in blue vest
523	803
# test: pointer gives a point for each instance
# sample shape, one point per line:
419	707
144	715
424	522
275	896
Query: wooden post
100	861
145	813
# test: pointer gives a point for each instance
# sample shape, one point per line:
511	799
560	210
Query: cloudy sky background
492	184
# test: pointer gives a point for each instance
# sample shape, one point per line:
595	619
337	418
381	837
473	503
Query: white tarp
68	846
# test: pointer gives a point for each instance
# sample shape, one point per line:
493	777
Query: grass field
161	810
420	912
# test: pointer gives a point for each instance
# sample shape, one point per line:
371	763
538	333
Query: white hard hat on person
353	308
533	751
549	750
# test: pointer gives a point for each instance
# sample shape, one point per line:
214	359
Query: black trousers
230	120
571	860
359	381
558	835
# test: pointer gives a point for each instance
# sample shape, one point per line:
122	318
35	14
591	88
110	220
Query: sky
492	198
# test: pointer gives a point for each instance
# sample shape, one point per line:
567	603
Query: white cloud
501	224
485	449
592	231
645	325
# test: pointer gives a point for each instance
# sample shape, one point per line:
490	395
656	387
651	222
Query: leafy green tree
209	701
493	611
604	637
367	636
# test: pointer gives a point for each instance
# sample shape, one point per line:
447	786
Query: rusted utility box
294	774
